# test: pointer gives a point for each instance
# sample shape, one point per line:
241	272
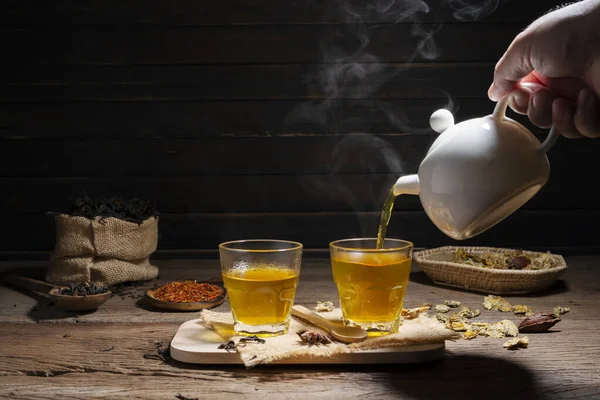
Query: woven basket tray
437	265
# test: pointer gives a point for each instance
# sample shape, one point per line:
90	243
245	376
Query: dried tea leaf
442	308
537	323
314	337
522	310
466	312
324	306
492	302
452	303
558	310
517	343
468	335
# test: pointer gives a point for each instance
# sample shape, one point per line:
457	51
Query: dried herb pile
84	289
131	210
188	292
515	260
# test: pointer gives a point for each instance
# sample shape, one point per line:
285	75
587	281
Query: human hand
552	70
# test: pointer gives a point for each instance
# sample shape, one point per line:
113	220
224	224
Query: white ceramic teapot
478	172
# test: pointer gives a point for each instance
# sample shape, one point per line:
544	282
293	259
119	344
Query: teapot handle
500	113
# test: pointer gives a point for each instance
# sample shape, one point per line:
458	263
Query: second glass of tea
371	282
261	278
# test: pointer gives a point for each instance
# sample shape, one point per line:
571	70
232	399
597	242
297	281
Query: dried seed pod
520	262
314	337
537	323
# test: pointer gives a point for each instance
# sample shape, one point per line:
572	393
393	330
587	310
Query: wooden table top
48	353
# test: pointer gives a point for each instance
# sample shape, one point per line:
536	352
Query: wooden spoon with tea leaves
346	334
67	302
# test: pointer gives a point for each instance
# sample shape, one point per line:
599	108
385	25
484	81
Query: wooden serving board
197	345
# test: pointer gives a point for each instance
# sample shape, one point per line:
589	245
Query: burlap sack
106	250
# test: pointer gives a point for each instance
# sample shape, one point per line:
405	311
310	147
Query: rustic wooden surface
47	353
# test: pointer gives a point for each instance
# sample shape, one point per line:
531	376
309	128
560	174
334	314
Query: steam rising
348	71
472	10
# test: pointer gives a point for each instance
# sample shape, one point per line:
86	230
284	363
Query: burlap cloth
107	250
421	330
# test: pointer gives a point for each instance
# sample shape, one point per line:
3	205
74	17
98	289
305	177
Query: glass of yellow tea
371	281
261	278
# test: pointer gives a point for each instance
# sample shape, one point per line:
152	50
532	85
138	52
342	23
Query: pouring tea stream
477	172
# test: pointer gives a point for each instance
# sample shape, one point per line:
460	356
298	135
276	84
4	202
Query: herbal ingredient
83	289
558	310
537	323
132	210
522	310
441	308
323	307
314	337
187	292
452	303
514	260
517	343
496	303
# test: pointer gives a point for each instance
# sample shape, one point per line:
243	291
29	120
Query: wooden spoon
66	302
346	334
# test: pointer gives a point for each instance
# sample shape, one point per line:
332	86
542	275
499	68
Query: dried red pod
520	262
538	323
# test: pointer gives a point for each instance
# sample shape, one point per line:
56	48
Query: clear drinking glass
261	278
371	282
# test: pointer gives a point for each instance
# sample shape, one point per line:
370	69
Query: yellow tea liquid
371	287
261	295
386	214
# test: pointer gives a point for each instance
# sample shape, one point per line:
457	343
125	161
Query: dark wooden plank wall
258	119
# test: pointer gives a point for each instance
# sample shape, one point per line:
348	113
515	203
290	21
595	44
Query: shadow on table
421	278
454	377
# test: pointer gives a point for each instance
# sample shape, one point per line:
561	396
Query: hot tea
261	295
371	283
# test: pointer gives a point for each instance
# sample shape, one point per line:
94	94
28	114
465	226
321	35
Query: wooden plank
282	155
256	44
189	12
238	118
240	82
525	228
274	155
262	193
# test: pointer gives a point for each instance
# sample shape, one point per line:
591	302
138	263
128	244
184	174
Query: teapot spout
408	184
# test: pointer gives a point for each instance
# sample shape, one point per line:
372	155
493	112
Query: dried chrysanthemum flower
516	343
460	326
497	330
522	310
558	310
426	306
468	335
443	318
324	306
314	337
492	302
452	303
466	312
415	312
442	308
